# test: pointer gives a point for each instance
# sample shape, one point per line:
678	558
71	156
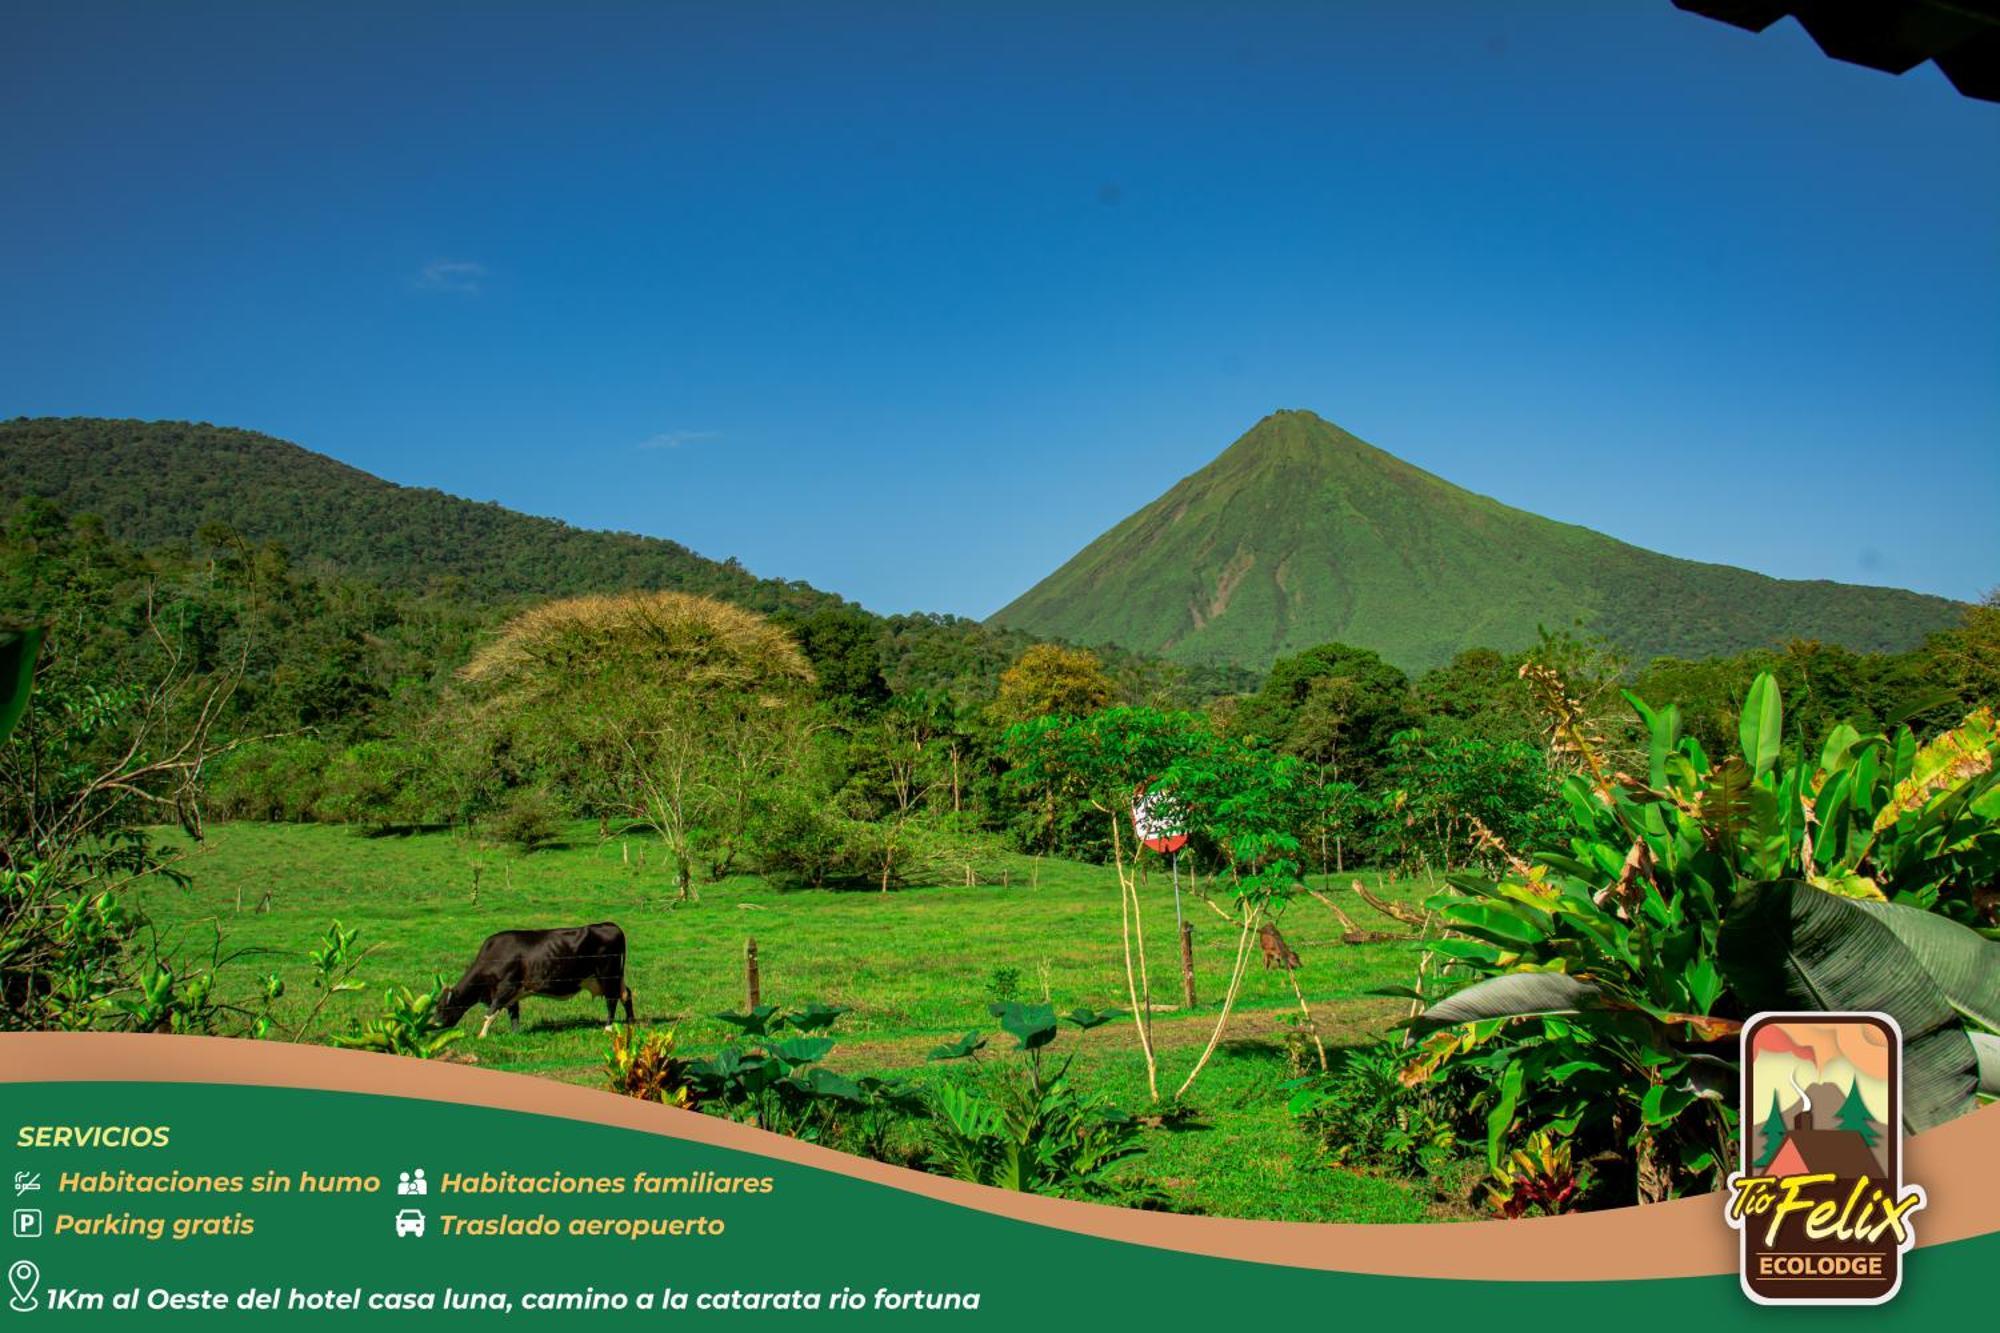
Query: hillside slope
1300	534
157	482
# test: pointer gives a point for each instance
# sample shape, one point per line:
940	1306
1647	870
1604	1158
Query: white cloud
674	439
452	275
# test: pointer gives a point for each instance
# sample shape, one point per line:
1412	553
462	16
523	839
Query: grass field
914	966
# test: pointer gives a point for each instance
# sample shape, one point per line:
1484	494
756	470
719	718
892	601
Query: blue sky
913	300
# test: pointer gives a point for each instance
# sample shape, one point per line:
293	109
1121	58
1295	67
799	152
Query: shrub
1363	1114
648	1069
1448	802
1003	984
1538	1179
1025	1126
1031	1130
275	781
84	767
408	1025
772	1076
374	783
801	844
530	820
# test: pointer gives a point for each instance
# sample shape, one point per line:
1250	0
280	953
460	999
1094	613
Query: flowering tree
660	707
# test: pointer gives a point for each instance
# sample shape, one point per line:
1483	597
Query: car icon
410	1222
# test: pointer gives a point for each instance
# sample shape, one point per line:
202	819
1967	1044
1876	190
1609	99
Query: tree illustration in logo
1854	1116
1773	1136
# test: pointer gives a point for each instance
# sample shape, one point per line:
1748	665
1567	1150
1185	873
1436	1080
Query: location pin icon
24	1277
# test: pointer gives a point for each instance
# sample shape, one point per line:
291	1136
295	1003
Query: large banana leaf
1788	946
18	650
1761	726
1511	995
1987	1047
1964	964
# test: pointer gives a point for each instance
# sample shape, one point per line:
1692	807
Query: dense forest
334	686
342	698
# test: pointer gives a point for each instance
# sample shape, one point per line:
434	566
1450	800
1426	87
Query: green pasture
914	966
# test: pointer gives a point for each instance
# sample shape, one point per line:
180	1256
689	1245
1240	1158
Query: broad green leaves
1832	876
1964	965
1787	945
1987	1047
1510	995
18	650
815	1017
1033	1025
755	1022
961	1049
1760	728
778	1083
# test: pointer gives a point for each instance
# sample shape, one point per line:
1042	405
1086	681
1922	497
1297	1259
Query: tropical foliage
1028	1128
1608	976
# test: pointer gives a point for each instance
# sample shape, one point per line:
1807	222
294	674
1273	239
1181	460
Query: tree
1050	680
1774	1136
1478	693
1966	659
663	708
87	769
1451	802
1334	705
844	645
1854	1115
1228	794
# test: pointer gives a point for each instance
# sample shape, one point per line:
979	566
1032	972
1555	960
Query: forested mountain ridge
155	483
344	604
1301	534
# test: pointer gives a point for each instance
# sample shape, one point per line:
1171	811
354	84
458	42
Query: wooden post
1187	964
750	979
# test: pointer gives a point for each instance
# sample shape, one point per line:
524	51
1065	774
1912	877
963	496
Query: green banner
148	1204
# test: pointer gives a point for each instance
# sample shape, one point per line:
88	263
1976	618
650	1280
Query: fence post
750	980
1187	964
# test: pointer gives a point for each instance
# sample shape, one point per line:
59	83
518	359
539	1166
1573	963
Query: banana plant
1608	977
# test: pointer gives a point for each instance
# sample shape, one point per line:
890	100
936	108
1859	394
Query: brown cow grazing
558	963
1277	953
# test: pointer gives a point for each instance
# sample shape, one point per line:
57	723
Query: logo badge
1819	1195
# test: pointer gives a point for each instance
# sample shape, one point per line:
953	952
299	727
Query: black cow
557	963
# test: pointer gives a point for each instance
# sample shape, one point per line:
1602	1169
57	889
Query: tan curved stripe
1959	1165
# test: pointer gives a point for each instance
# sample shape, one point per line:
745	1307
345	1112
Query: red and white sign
1153	820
